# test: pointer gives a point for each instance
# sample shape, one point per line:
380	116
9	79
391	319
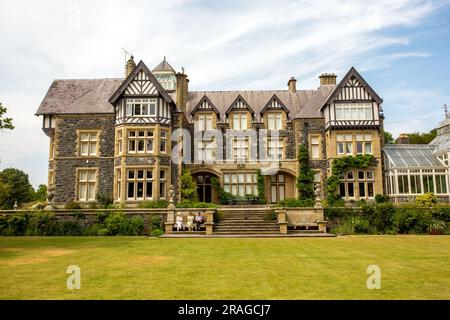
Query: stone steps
245	221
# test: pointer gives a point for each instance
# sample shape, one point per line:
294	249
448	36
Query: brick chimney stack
182	89
402	139
327	79
292	85
129	66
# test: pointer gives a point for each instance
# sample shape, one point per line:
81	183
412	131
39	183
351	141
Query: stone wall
67	160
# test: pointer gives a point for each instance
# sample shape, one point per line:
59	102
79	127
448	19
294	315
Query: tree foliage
188	186
422	138
305	180
388	138
41	193
19	187
5	123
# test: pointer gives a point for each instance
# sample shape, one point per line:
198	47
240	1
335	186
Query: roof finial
447	112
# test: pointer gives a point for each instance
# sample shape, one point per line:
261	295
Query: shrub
296	203
381	198
379	216
426	200
154	204
105	199
217	216
437	227
17	224
71	228
195	204
102	215
92	205
42	223
156	233
188	186
103	232
333	212
360	225
78	215
410	219
155	222
343	229
116	223
135	226
441	213
72	206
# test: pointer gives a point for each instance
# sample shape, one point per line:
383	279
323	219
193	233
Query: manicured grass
413	267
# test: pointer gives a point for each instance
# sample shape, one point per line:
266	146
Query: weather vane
447	113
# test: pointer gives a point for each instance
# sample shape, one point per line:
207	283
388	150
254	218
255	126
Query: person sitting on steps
198	220
190	221
179	222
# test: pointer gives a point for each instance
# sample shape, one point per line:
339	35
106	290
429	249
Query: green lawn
413	267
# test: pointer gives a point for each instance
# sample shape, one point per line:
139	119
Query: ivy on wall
342	165
261	187
305	179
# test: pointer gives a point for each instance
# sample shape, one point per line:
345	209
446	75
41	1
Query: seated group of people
192	222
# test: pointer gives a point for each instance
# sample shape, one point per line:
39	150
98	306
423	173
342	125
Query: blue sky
401	47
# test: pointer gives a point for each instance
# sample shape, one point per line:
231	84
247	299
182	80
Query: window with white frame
274	121
354	111
240	183
314	142
163	141
87	143
428	181
206	150
357	183
444	159
119	142
204	122
240	149
86	180
363	143
344	143
275	149
140	184
240	121
162	184
141	107
140	141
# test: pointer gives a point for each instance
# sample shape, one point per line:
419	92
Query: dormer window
274	121
239	121
204	122
141	107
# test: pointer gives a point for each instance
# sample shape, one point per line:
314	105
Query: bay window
363	143
354	111
141	107
140	141
344	143
140	184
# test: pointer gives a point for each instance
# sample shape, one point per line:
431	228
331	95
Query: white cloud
221	44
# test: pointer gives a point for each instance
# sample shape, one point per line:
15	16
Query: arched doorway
205	191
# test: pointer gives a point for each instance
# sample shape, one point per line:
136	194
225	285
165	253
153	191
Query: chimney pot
327	79
129	66
292	85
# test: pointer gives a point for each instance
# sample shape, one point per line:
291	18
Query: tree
388	138
422	138
5	123
188	187
19	186
41	193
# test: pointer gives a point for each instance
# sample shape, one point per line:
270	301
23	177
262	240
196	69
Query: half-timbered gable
142	99
353	104
205	105
239	104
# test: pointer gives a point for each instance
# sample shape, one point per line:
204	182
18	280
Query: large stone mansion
115	136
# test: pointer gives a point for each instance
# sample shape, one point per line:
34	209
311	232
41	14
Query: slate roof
411	156
79	96
301	104
164	66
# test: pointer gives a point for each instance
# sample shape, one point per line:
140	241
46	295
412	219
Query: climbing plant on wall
261	187
305	179
342	165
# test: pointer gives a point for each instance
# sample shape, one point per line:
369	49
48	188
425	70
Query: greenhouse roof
411	156
441	143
